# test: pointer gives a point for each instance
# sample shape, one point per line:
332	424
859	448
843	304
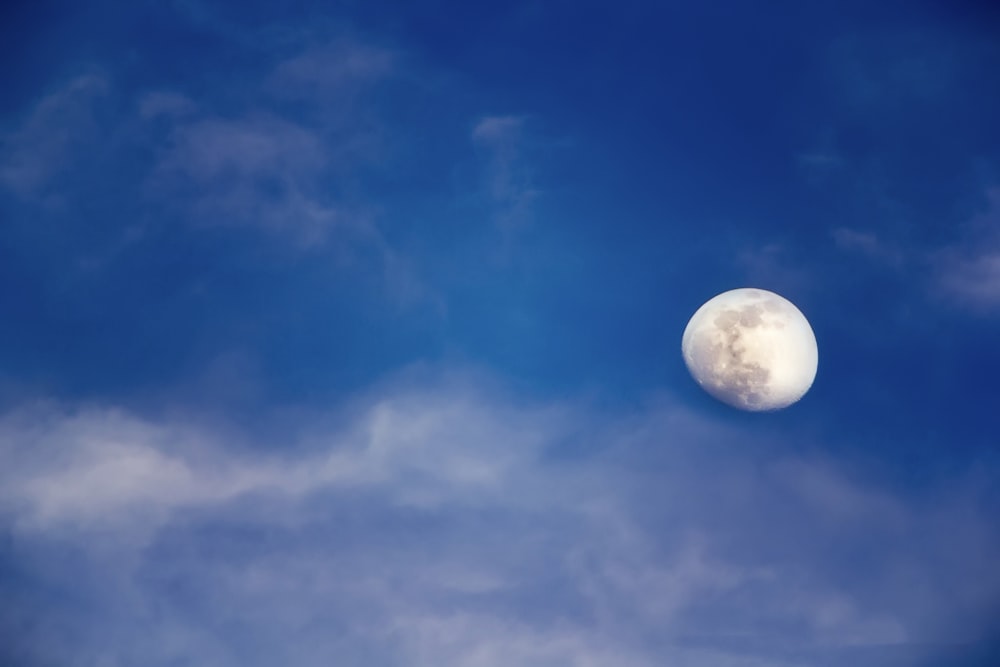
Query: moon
751	349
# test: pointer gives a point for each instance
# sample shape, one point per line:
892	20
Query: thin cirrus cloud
289	174
970	271
867	243
52	137
259	172
386	521
507	177
333	72
292	165
904	107
966	272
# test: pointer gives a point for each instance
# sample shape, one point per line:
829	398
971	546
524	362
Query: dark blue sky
349	333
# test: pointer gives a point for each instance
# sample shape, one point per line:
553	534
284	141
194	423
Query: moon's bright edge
752	349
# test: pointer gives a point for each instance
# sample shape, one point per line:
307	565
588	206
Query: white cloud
101	466
440	522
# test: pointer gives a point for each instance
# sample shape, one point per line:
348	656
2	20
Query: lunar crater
751	349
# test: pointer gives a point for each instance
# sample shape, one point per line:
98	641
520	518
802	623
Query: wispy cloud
288	174
771	264
879	68
868	244
508	182
440	522
52	137
970	270
105	465
165	103
283	151
965	271
823	159
334	71
974	278
259	171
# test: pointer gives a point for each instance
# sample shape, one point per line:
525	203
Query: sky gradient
349	333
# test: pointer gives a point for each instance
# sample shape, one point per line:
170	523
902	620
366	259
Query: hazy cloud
879	68
339	68
869	244
508	182
162	103
291	165
438	522
261	171
965	272
970	270
289	174
50	139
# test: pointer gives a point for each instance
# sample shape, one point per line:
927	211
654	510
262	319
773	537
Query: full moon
751	349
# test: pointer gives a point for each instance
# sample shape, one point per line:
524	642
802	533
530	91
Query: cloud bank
441	522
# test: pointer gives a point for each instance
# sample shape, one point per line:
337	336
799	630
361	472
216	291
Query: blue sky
349	333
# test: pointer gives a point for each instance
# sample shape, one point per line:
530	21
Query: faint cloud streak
969	271
508	181
49	140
